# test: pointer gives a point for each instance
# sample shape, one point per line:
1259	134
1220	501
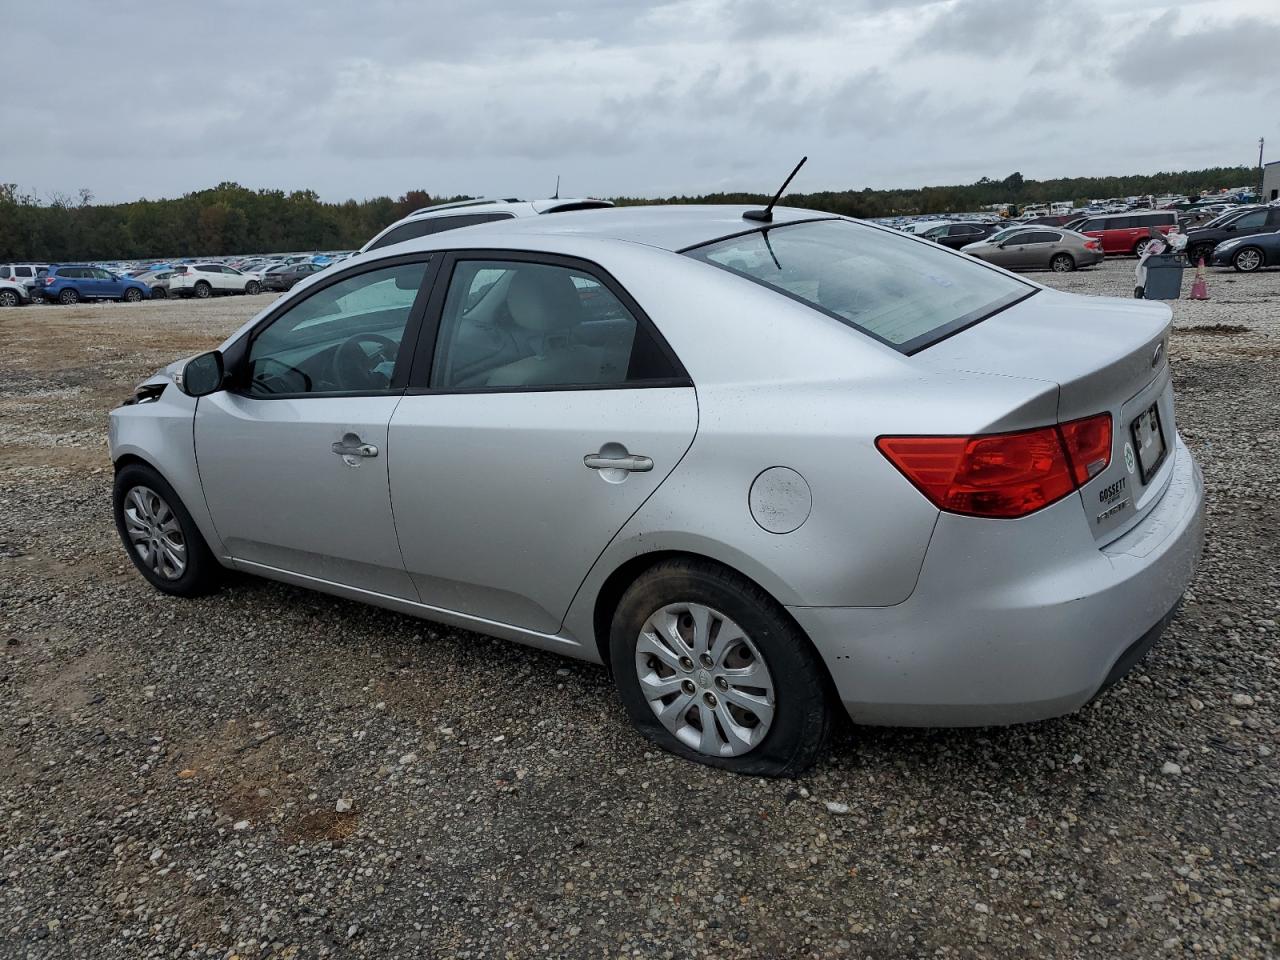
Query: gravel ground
175	776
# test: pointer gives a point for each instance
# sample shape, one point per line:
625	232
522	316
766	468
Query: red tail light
48	281
1003	475
1091	245
1088	444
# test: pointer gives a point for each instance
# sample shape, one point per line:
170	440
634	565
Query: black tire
802	720
1200	252
253	288
159	293
203	573
9	298
203	291
1062	263
68	297
1248	260
132	295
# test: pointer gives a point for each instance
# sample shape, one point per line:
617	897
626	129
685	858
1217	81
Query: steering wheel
354	367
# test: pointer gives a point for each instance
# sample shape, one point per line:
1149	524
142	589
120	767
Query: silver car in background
1038	248
763	469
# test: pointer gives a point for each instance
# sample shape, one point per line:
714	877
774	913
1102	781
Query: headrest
543	299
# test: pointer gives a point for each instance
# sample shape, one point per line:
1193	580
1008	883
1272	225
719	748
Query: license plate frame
1147	431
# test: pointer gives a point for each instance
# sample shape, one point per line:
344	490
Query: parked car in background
26	274
13	293
1201	241
71	283
157	280
1128	232
206	279
1038	248
1051	220
962	232
1248	253
466	213
286	275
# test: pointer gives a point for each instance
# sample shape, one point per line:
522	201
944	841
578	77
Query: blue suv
76	282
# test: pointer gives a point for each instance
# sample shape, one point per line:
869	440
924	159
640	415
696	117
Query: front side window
515	324
342	338
1256	218
905	294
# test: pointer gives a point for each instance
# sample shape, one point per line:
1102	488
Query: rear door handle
629	463
352	446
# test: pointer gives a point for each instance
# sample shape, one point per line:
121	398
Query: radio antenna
766	215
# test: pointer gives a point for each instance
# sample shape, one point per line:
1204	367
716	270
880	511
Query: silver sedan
763	469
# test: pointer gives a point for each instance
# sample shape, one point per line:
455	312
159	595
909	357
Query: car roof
672	227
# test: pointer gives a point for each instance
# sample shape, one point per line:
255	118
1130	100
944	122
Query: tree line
231	219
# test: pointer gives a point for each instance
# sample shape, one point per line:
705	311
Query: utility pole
1261	141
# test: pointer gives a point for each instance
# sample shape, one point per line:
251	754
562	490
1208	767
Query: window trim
420	373
236	355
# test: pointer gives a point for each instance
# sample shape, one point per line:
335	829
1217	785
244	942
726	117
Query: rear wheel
159	535
203	290
1140	246
8	298
69	296
1062	263
132	295
1247	260
710	668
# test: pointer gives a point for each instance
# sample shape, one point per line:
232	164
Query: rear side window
905	294
1042	236
510	325
429	225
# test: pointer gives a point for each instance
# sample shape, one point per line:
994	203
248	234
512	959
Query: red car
1127	232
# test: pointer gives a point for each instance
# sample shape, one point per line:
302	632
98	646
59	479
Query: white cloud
631	97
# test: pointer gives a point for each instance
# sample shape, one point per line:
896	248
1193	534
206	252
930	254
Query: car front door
1012	252
109	285
538	420
293	457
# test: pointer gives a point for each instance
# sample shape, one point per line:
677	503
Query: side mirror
202	375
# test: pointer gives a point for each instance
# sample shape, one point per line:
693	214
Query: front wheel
1062	263
8	298
1247	260
253	288
159	535
711	668
159	293
132	295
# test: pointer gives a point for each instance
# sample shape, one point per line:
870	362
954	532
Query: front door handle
628	463
353	446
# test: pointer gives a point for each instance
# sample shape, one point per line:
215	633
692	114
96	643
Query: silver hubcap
8	298
1061	264
1248	260
155	533
704	679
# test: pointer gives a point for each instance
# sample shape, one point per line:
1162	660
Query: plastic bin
1164	277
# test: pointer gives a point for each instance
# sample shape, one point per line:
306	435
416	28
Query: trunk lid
1106	355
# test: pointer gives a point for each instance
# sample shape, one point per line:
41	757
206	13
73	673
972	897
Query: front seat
544	302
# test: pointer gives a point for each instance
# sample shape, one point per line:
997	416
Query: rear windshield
900	291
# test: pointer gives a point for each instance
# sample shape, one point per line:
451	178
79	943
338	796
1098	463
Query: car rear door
541	416
293	458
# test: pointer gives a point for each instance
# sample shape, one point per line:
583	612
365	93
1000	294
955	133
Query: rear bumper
1005	632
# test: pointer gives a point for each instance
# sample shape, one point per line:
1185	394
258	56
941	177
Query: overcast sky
623	97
